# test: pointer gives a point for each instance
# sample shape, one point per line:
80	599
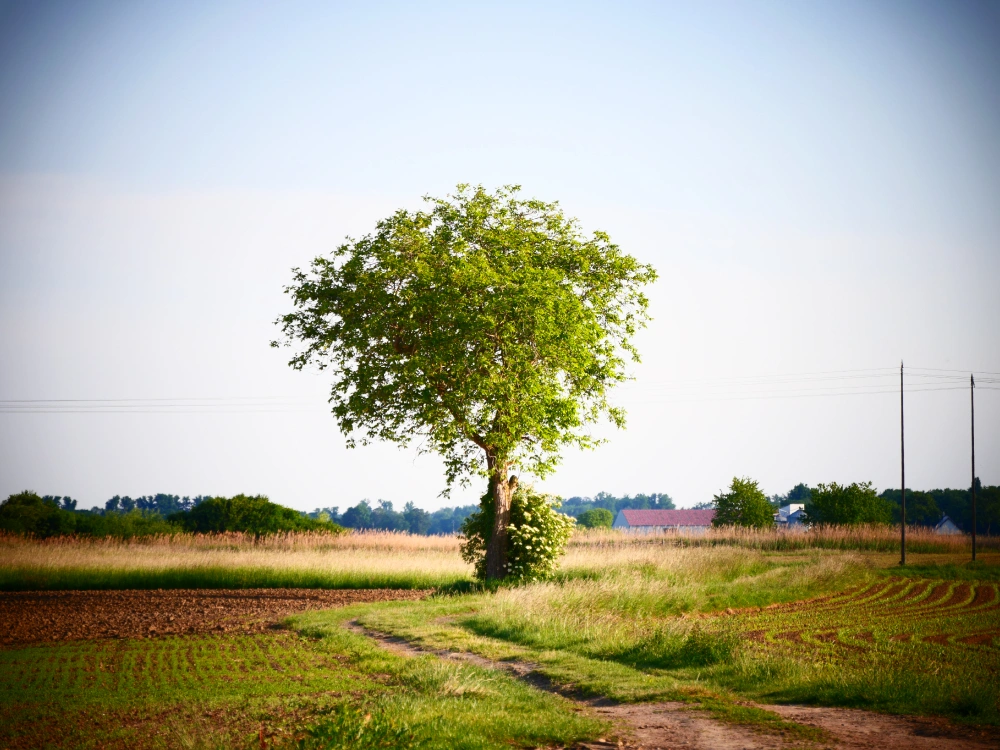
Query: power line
696	398
123	400
752	387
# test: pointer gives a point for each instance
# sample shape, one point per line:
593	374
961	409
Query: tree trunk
501	491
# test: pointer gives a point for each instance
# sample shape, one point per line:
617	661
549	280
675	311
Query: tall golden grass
870	538
361	556
371	558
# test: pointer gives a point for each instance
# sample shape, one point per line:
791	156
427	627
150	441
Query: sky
817	185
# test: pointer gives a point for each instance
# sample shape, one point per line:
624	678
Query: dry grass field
379	559
232	560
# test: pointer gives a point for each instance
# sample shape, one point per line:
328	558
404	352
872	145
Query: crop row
167	667
894	613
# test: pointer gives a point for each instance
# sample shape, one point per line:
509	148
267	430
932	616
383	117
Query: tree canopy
854	503
596	518
489	328
744	505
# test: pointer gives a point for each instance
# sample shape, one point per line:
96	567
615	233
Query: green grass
87	693
904	645
967	571
714	627
43	578
330	689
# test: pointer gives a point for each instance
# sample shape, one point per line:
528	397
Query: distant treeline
47	516
124	516
50	515
926	507
161	504
575	506
384	517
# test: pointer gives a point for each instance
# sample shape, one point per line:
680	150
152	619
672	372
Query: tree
358	517
387	519
800	493
489	328
65	503
921	507
28	513
847	504
418	521
596	518
744	505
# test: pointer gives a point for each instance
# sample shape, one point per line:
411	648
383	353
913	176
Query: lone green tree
744	505
488	327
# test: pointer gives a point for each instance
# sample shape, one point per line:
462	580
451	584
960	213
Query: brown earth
40	616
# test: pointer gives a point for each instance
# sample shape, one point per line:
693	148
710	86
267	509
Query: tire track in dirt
670	725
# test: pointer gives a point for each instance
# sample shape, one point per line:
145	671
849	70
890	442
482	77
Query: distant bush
28	513
596	518
253	515
135	523
536	536
847	504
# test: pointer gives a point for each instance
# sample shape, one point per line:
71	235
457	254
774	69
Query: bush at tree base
536	536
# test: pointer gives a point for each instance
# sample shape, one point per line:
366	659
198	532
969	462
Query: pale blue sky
818	184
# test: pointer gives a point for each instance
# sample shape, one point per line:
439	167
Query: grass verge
721	621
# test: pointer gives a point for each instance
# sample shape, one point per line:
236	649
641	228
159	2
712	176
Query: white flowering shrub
536	537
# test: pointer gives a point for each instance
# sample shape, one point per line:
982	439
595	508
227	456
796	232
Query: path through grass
706	620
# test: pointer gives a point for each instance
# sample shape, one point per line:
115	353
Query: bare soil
676	725
45	616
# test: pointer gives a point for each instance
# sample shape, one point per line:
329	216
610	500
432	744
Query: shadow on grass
660	650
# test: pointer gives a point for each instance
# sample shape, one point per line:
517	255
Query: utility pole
902	472
972	394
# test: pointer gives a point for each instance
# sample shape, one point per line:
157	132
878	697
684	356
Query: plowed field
938	614
36	617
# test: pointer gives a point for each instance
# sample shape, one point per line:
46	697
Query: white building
789	514
685	520
946	526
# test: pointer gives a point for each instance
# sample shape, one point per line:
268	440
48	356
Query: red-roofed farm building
690	521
